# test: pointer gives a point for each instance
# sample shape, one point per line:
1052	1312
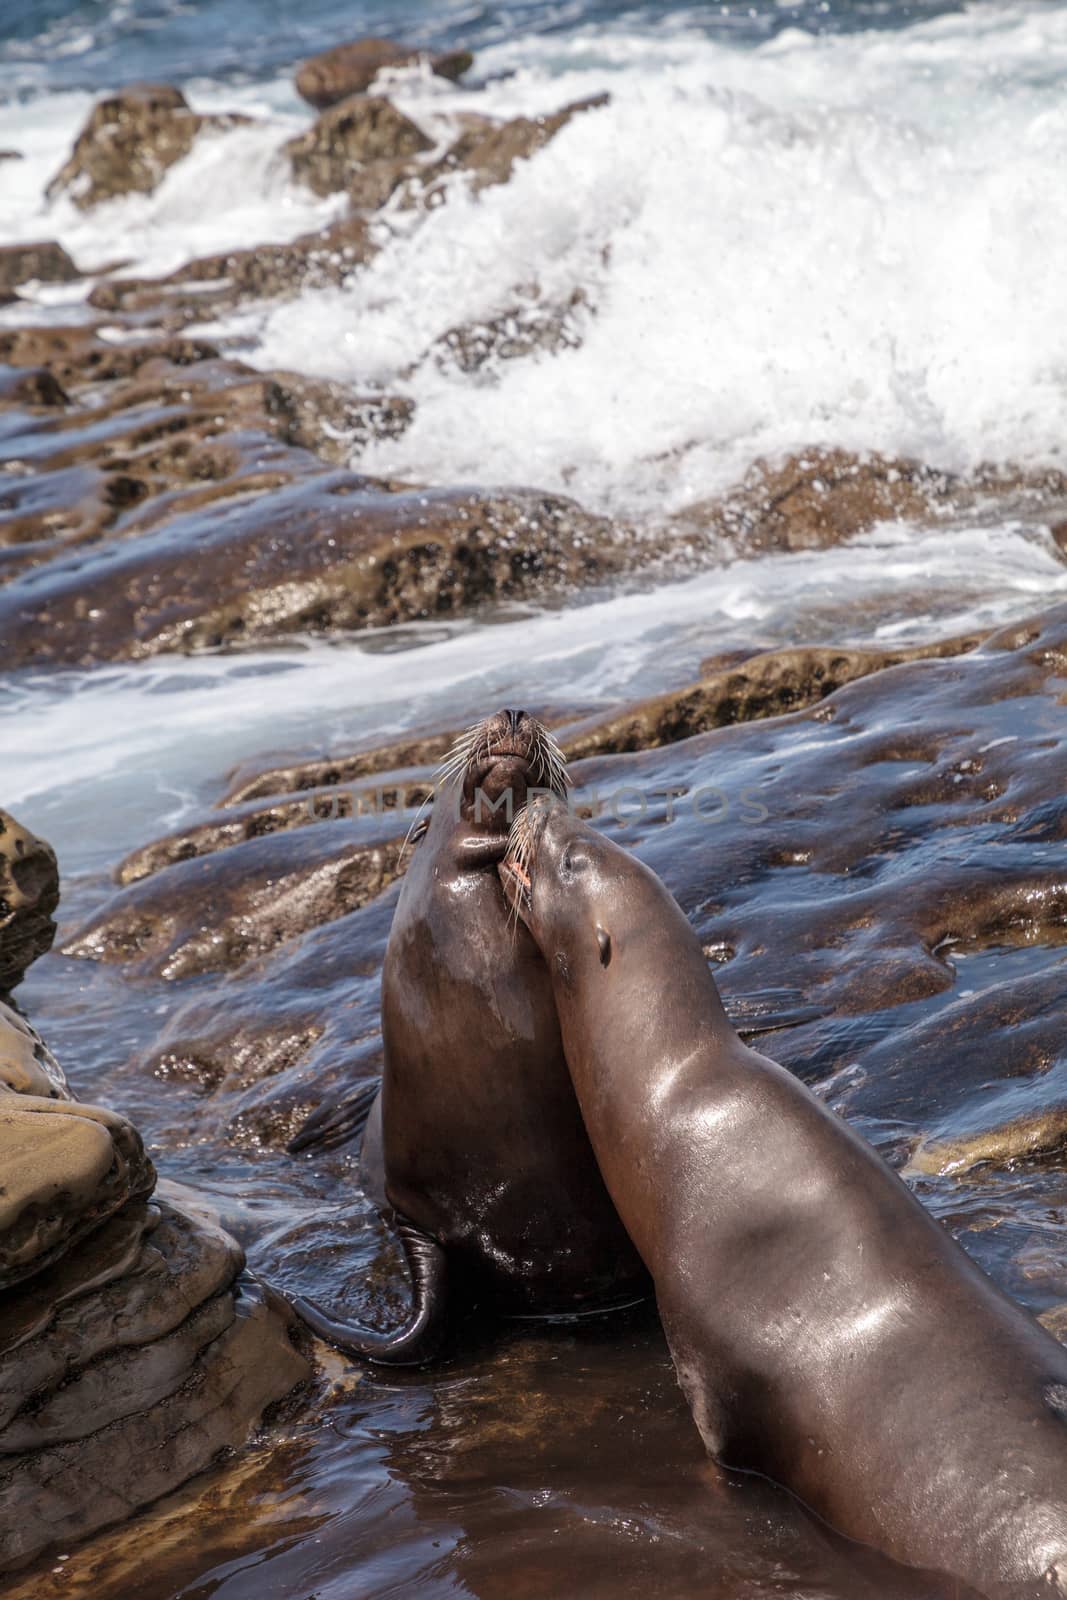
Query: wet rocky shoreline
903	888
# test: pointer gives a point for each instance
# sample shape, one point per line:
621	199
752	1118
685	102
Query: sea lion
827	1331
482	1156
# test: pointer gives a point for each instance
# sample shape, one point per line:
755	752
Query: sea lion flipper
335	1122
418	1339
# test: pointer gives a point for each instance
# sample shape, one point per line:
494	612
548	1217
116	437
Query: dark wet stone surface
29	894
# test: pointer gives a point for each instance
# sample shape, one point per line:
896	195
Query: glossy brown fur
483	1145
827	1331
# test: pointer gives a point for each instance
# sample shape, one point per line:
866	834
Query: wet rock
129	142
212	285
125	1370
46	263
251	782
317	554
487	155
764	685
29	894
66	1168
257	1050
217	912
239	824
350	69
330	419
356	133
522	331
36	387
27	1066
822	498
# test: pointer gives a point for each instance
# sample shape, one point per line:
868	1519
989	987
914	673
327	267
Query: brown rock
126	1369
821	498
29	894
331	419
312	261
129	142
27	1066
487	155
350	69
316	554
765	685
252	782
66	1169
529	326
355	133
218	912
35	387
46	263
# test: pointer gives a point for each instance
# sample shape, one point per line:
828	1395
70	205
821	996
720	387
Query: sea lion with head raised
476	1143
827	1331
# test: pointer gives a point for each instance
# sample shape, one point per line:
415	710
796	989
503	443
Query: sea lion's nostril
514	718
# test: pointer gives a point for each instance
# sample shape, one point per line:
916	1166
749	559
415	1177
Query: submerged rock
129	142
29	894
350	69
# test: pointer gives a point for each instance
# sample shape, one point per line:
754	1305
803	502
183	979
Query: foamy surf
821	240
186	721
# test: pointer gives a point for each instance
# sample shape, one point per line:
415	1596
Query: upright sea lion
482	1156
826	1330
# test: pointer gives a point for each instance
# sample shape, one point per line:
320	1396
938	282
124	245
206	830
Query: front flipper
337	1121
419	1338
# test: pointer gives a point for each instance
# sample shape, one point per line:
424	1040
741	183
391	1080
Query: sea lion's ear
603	939
419	831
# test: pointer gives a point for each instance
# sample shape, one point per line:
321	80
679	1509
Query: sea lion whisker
410	835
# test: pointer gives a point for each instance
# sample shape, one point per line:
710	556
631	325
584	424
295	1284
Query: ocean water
792	224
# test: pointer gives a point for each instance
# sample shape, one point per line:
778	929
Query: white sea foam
233	189
855	239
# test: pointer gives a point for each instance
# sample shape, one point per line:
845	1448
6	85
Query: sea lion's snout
499	762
